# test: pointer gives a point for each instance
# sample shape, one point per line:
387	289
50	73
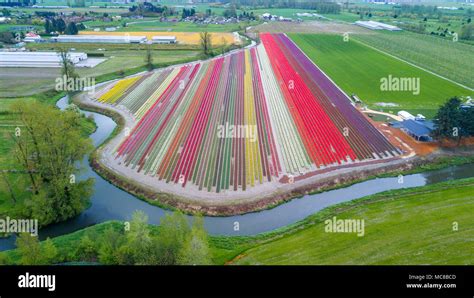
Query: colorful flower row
243	119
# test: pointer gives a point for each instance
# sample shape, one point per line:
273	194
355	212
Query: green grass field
446	58
413	226
358	69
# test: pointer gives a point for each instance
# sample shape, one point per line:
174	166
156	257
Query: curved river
112	203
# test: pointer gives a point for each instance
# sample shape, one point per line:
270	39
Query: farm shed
419	130
100	38
372	25
37	59
164	39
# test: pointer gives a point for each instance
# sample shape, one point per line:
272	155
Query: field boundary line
412	64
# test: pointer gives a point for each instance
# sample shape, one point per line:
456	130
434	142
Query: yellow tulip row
117	90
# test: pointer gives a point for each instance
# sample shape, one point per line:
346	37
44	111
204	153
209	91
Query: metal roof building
99	39
372	25
419	130
37	59
164	39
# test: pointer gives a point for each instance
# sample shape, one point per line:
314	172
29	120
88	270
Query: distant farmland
358	69
454	60
217	38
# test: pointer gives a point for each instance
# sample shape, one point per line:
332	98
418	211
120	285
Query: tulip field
242	119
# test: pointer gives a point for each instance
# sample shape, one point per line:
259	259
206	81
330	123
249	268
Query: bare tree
206	44
67	66
149	58
224	45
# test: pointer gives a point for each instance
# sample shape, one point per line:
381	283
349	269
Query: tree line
188	13
60	26
322	6
174	242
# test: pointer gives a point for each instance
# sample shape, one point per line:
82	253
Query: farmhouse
32	37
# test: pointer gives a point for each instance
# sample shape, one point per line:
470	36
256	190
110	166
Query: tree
49	149
174	230
48	27
71	29
448	119
139	240
30	250
8	185
60	25
86	250
149	58
67	66
206	45
195	249
4	260
224	45
49	252
467	32
467	122
112	240
7	37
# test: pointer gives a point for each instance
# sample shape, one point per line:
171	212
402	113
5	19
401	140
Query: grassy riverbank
411	226
408	226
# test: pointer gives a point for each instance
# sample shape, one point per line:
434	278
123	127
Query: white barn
37	59
164	39
99	39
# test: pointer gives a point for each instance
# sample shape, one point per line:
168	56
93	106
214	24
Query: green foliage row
174	242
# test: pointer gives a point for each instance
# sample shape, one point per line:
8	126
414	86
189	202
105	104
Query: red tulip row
323	141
